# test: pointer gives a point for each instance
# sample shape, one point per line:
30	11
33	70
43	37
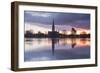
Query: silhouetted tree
28	34
73	31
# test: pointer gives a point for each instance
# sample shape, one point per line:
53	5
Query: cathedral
53	33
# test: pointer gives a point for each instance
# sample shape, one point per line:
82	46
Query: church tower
53	26
53	33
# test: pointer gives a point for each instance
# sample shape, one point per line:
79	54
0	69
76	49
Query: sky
63	21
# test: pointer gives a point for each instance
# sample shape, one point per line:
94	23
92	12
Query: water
44	49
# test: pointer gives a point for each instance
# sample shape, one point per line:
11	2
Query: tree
73	31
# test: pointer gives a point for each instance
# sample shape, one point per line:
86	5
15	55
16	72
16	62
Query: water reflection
41	49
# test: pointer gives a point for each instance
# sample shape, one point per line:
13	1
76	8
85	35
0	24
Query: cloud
72	19
40	14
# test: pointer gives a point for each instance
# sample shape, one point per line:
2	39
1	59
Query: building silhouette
53	33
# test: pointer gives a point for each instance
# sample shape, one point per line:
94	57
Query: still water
44	49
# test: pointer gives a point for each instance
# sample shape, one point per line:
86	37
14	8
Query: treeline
29	34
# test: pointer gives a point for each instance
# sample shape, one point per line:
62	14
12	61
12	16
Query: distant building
53	33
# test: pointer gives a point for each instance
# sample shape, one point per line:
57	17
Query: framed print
52	36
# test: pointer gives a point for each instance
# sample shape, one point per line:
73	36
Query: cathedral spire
53	26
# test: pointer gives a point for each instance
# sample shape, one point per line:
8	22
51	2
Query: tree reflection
56	42
73	40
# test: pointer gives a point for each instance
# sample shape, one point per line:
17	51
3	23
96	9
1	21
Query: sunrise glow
36	29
